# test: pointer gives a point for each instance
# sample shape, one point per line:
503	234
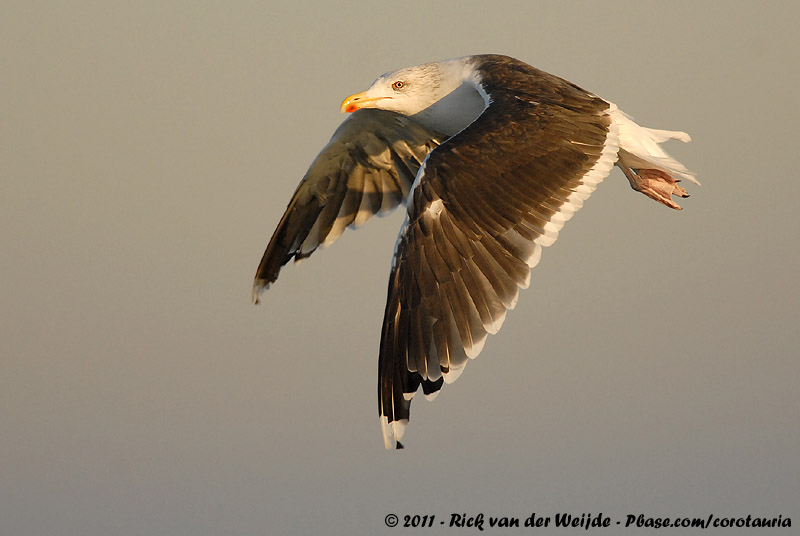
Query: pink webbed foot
655	184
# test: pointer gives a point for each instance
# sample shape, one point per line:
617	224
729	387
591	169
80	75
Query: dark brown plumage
458	267
527	148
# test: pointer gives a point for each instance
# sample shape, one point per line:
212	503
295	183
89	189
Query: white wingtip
432	396
453	374
393	432
259	286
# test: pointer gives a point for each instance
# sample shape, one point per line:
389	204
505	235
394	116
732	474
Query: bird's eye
398	85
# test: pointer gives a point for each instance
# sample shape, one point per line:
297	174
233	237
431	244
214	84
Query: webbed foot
656	185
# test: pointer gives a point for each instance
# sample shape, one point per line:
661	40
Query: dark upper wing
367	168
487	201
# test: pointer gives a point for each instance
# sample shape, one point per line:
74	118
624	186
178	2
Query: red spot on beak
354	102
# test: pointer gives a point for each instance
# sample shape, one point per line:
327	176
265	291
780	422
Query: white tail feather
640	149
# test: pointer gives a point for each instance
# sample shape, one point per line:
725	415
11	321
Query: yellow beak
359	100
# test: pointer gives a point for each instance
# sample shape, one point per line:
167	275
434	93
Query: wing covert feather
367	168
489	199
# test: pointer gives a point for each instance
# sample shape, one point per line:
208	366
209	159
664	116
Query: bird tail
640	147
647	166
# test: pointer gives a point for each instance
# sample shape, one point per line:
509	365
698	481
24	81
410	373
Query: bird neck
460	103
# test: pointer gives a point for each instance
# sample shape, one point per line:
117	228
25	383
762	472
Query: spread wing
367	168
487	201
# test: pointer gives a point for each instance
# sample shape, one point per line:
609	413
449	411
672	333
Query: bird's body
492	157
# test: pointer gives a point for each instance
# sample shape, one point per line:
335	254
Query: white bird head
441	95
407	91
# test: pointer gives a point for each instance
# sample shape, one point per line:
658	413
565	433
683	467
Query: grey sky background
147	152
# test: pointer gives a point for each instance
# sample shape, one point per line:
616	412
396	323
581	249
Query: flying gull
491	157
